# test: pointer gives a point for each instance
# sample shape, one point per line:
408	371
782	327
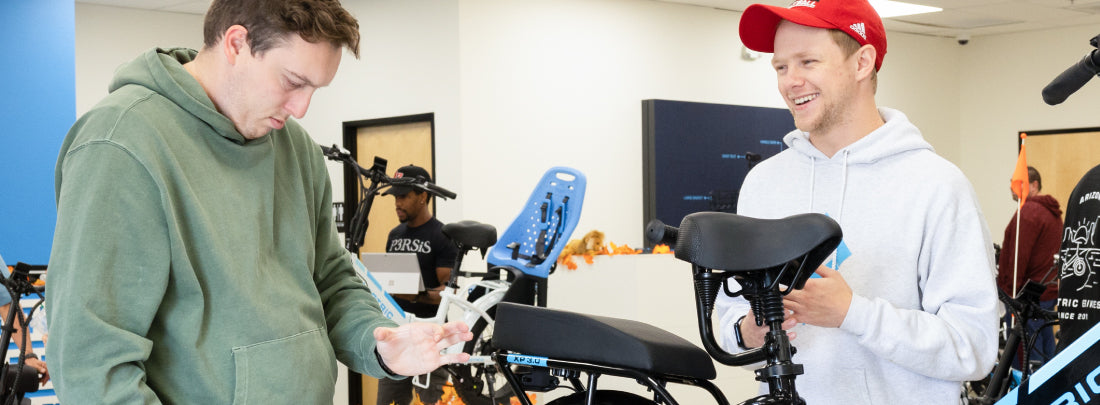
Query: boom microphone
1074	77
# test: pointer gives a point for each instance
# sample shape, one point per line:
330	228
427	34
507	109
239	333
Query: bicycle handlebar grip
441	191
656	232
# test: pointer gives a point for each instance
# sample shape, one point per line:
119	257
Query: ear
865	61
235	43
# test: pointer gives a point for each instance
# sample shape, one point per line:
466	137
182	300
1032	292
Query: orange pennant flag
1020	184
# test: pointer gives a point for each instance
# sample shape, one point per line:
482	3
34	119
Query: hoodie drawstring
813	168
843	190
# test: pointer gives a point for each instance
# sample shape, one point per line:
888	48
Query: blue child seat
536	237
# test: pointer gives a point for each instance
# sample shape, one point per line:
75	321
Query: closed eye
292	85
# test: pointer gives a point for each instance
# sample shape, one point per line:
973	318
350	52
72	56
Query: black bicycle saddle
730	242
623	343
472	234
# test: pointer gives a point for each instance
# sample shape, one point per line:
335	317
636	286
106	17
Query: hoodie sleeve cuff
859	314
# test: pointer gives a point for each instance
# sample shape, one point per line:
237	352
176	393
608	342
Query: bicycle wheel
473	381
603	398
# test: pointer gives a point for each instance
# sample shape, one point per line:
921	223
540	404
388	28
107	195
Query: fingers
826	272
455	327
455	358
789	323
38	365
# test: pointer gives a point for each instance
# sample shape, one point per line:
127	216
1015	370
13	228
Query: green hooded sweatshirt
191	265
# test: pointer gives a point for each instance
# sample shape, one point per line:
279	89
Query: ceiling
959	17
969	17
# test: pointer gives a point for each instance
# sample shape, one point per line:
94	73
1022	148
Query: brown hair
269	22
849	46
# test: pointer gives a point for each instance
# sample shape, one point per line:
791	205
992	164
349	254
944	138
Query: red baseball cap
855	17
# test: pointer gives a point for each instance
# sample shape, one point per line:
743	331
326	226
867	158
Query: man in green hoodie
195	257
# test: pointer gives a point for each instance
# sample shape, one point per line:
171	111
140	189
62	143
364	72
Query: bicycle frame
471	310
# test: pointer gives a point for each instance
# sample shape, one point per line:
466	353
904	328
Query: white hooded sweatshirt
916	253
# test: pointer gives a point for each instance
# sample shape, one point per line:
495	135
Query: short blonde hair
849	46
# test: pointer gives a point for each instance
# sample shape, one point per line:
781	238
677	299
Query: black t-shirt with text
1079	289
432	249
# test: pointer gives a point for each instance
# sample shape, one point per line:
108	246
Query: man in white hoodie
907	308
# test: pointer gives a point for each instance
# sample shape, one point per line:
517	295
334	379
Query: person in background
1040	230
17	336
422	234
195	258
906	309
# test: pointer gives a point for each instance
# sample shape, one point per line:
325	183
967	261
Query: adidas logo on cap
858	28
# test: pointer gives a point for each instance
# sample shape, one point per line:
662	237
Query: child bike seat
730	242
471	234
537	236
614	342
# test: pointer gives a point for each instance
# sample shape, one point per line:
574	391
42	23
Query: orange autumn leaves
592	244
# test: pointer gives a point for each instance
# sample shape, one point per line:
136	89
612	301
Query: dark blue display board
696	155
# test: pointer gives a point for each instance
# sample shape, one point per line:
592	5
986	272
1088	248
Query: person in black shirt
420	233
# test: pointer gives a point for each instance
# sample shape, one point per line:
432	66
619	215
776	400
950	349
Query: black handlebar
657	233
336	153
425	186
377	181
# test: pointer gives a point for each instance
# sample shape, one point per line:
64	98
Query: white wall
107	37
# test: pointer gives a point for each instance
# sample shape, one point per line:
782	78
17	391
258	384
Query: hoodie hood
161	70
898	135
1047	202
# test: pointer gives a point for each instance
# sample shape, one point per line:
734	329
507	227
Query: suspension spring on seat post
768	307
706	287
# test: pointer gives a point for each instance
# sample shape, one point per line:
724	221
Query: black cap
405	173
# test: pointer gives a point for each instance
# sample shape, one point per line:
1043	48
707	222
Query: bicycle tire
472	380
603	397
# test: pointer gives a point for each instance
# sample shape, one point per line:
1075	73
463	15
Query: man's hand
414	348
823	302
43	372
754	335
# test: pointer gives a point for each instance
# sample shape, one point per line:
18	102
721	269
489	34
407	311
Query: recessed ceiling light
890	8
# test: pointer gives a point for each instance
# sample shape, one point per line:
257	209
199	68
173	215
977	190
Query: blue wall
38	106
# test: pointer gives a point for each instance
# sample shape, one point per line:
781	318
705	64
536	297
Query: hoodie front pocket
298	369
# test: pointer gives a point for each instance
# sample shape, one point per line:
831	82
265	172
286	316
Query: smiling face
263	90
816	79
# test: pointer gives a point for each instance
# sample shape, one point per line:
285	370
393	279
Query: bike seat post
462	249
779	371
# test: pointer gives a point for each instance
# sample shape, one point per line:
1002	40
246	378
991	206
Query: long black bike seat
730	242
598	340
471	234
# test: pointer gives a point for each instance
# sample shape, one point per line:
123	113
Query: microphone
1073	78
657	233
